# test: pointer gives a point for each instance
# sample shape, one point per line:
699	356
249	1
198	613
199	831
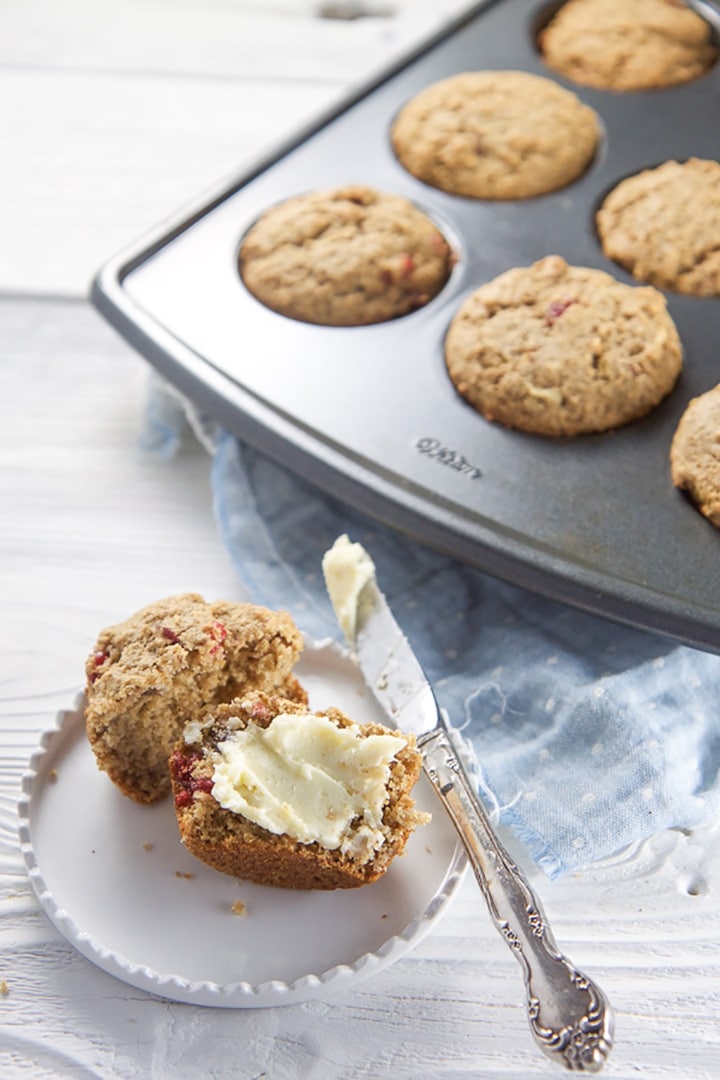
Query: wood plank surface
110	116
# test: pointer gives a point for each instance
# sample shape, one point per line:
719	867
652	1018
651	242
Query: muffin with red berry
350	256
558	350
169	663
268	791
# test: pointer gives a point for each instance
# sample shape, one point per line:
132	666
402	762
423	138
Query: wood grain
110	116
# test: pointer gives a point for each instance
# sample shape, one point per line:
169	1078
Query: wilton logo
445	456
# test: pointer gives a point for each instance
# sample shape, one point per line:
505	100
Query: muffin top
627	44
695	454
345	257
561	350
169	661
663	225
495	135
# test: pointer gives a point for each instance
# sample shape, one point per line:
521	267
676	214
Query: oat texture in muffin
695	454
627	44
270	792
496	135
562	350
663	225
350	256
175	658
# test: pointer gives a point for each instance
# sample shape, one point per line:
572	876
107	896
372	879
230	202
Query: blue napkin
590	736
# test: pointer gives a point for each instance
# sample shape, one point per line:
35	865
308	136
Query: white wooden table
112	115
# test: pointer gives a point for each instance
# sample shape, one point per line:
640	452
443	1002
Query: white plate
116	881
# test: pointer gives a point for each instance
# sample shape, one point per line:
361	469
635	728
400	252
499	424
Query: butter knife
570	1017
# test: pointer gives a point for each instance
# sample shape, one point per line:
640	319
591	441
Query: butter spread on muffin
269	791
306	777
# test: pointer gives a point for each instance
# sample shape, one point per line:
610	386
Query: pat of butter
304	777
347	568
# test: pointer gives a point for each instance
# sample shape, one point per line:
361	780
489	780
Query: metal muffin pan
369	413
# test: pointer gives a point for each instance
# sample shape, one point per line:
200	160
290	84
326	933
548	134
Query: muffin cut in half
171	661
270	792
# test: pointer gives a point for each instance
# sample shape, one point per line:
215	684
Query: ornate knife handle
569	1015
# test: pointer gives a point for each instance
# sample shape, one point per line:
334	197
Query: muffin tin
369	413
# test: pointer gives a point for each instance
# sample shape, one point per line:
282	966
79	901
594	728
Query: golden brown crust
663	225
349	256
695	454
627	45
496	135
233	845
561	350
167	664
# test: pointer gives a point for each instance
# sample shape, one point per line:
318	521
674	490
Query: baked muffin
663	225
695	454
170	662
627	44
345	257
562	350
495	135
269	792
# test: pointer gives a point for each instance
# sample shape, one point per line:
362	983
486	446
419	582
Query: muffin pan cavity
368	412
626	46
496	135
347	256
663	226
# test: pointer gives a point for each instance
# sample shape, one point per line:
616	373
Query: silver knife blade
383	653
390	667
